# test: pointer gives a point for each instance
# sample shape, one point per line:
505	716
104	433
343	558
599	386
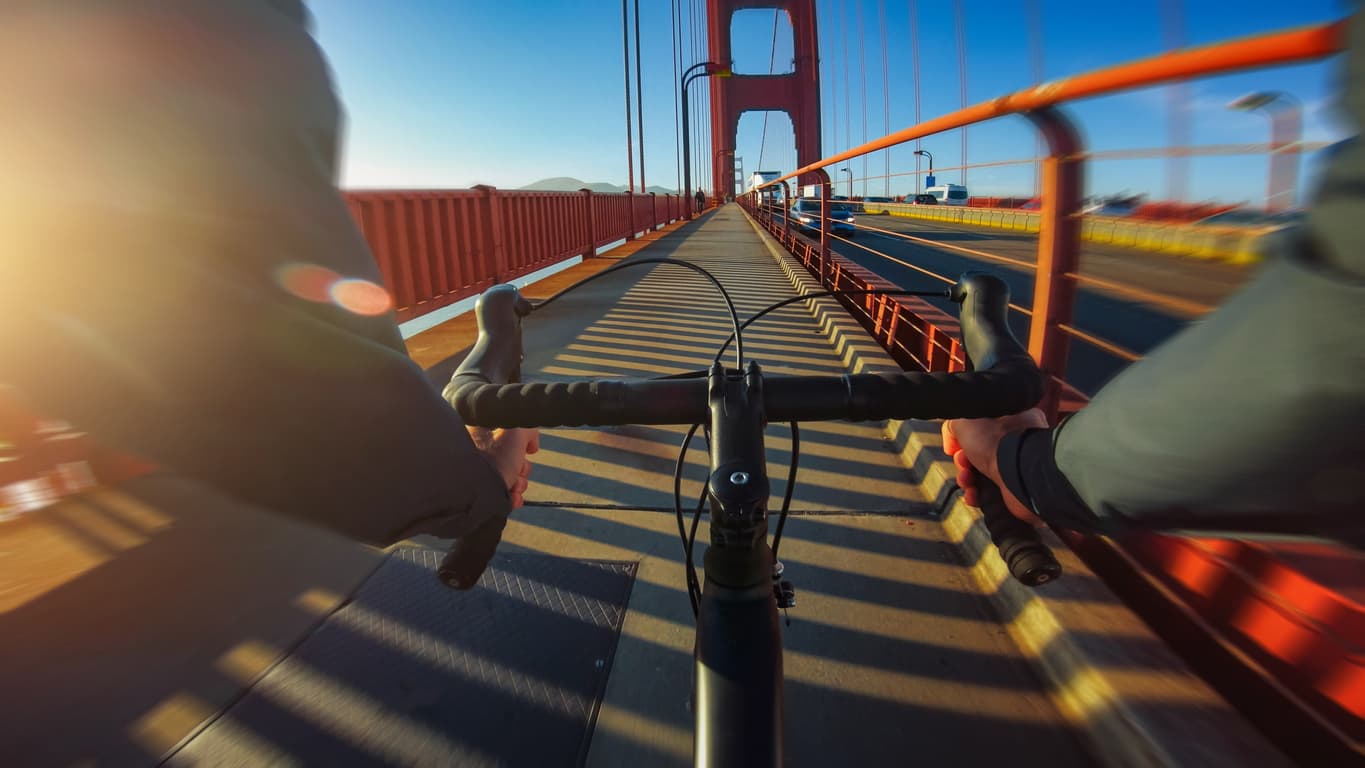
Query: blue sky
450	93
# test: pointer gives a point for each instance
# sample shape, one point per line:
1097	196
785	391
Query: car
1108	209
877	204
923	198
806	216
1250	218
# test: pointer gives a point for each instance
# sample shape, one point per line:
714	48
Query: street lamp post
1286	129
702	69
931	166
850	182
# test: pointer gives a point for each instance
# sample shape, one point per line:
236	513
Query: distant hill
570	184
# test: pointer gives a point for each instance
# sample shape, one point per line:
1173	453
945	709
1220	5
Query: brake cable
689	536
729	305
817	294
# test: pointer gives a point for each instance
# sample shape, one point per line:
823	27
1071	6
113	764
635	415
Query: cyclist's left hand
509	450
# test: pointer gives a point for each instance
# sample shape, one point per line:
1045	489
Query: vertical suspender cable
862	73
704	112
914	57
772	63
677	73
962	78
625	53
833	87
1035	38
692	95
886	97
639	99
1178	133
848	104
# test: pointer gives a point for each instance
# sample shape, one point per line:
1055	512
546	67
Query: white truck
759	178
813	190
948	194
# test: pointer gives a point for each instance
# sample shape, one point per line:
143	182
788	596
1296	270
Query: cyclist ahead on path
172	225
1252	419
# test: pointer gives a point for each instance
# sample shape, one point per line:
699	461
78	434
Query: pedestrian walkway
266	640
891	655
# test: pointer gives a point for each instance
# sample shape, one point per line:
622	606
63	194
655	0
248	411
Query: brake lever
986	297
495	359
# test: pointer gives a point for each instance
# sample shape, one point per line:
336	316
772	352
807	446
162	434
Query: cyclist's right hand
973	444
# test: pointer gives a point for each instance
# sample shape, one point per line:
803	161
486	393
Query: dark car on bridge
923	199
806	215
876	204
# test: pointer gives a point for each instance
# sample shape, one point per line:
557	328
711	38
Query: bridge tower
797	93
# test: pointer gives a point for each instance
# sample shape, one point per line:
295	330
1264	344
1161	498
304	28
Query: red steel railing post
494	233
786	212
590	214
825	191
653	212
630	213
1059	248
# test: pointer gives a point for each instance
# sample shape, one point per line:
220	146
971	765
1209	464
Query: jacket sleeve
181	274
1249	419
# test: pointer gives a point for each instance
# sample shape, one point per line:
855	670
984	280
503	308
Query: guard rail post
786	213
1059	239
630	214
494	235
825	190
590	214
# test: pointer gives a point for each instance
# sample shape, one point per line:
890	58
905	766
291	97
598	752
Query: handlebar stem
738	485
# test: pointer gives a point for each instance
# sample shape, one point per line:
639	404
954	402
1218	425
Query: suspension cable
772	62
625	55
862	74
962	77
673	18
639	99
914	56
886	93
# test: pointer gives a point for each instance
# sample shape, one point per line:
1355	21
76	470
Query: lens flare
308	281
361	297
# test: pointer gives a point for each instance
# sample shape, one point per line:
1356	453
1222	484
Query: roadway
1143	298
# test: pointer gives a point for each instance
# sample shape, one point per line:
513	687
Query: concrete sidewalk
892	654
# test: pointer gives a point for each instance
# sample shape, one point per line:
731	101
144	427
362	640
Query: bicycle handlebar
1005	381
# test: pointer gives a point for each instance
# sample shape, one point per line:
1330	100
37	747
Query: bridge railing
902	325
435	248
1244	612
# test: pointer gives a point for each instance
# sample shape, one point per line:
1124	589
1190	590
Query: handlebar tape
469	555
1010	387
1030	561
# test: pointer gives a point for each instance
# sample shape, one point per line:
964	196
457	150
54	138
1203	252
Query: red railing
1241	600
437	247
